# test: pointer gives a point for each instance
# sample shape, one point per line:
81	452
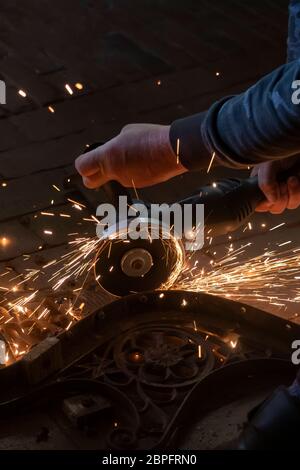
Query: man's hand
279	196
141	155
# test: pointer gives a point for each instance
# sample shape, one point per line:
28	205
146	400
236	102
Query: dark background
138	61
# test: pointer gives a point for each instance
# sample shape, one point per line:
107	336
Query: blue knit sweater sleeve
261	124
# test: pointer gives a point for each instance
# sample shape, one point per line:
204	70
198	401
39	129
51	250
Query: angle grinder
124	266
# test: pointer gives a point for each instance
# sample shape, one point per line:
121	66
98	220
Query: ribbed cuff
187	141
199	137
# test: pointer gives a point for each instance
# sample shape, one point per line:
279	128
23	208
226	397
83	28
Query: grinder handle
231	202
113	189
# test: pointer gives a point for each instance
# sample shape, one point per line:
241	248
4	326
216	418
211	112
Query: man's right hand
279	196
141	155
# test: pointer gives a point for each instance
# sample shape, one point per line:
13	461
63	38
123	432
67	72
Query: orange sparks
211	162
69	89
22	93
277	226
177	150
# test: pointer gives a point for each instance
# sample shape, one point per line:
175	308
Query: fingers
87	164
93	168
255	170
282	202
95	181
289	198
279	205
94	161
267	180
264	207
294	192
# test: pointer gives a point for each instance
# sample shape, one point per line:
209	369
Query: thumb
92	162
93	168
95	181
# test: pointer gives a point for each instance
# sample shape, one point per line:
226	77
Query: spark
48	232
56	187
76	203
211	162
134	188
69	89
285	243
48	213
177	150
3	184
79	86
22	93
4	241
51	109
277	226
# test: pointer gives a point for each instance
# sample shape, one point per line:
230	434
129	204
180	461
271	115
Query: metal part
146	366
124	265
136	262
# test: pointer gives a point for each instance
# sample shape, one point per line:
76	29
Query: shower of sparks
27	315
269	278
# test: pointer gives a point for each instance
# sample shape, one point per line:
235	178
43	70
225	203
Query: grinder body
126	266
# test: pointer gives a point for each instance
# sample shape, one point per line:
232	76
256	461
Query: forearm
293	41
258	125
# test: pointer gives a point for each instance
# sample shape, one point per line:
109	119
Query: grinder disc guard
124	266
